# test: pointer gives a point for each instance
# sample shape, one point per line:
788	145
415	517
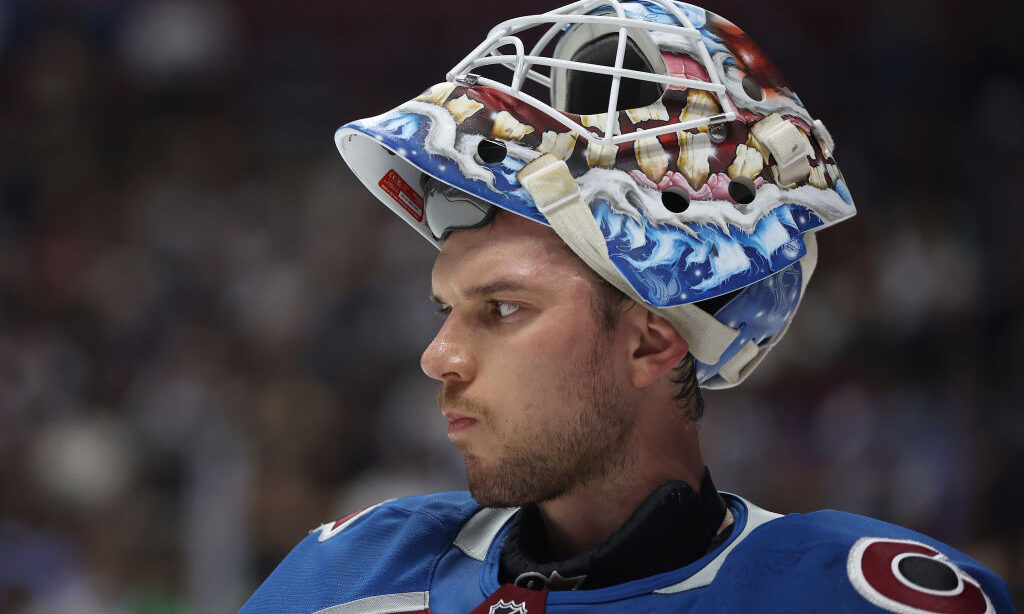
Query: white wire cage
505	47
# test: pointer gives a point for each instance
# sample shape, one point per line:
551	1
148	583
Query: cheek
539	372
542	354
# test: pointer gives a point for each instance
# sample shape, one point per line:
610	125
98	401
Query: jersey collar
673	527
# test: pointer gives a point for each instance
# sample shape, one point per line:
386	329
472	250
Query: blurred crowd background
209	334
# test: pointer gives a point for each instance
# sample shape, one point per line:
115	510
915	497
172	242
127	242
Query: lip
457	422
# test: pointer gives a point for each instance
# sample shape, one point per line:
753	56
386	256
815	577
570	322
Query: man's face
531	381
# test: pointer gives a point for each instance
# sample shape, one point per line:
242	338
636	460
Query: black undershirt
673	527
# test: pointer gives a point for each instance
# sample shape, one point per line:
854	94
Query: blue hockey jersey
438	554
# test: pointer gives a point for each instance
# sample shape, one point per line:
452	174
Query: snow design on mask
426	135
440	137
713	247
669	266
633	201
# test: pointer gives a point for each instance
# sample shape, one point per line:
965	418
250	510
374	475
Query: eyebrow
499	285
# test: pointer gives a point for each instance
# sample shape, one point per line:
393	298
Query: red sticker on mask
402	192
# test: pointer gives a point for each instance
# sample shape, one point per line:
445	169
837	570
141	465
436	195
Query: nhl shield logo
508	607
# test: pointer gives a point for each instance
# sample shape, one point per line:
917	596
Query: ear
658	348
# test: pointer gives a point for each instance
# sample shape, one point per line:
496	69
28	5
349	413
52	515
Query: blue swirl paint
669	266
406	133
665	264
759	312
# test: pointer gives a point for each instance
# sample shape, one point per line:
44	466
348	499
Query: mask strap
557	196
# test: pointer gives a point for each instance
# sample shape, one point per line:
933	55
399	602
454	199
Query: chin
512	484
486	485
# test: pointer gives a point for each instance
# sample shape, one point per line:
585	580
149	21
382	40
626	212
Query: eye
444	310
505	309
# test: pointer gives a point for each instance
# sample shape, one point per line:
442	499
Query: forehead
510	244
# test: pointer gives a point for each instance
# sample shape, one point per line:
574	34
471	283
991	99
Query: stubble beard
547	465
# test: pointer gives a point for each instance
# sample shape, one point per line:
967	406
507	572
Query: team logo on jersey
909	577
508	607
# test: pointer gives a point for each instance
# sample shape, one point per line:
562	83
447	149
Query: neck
588	514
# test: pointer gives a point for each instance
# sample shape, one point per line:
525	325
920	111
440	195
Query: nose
448	357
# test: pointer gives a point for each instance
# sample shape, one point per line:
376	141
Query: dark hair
606	303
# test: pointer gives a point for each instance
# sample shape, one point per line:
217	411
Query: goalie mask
654	137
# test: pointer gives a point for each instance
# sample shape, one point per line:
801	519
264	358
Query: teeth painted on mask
601	156
652	111
463	108
699	104
437	94
651	158
508	127
833	172
630	203
758	146
598	120
817	177
557	144
694	151
748	163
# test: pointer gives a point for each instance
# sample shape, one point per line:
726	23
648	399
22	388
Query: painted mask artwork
699	164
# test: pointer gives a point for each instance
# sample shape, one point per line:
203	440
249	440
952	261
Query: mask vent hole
675	199
753	89
742	190
490	151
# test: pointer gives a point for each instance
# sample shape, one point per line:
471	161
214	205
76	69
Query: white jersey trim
382	604
755	518
480	530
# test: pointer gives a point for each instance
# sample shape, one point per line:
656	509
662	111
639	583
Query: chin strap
557	196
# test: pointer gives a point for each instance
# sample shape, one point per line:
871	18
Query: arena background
209	334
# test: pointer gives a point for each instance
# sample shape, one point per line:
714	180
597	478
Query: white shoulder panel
382	604
479	531
755	518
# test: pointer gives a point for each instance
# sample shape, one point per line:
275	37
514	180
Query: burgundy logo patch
511	599
909	577
508	607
